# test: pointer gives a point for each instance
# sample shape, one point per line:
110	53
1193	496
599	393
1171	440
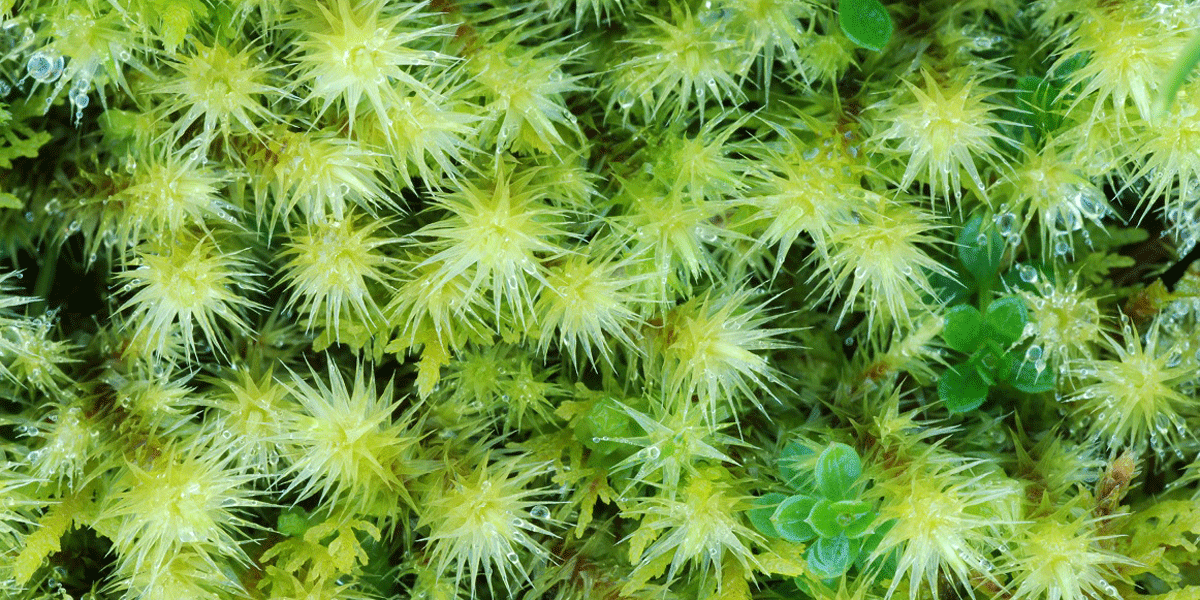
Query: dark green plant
990	332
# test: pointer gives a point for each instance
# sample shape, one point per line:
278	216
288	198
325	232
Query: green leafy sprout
825	509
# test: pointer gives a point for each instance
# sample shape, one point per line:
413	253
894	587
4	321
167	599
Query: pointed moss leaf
962	389
1029	379
866	23
871	542
790	518
964	329
795	464
760	515
829	557
1180	73
980	251
837	469
886	563
1006	319
824	520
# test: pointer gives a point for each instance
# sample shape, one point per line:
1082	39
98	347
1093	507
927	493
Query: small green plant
989	340
825	509
988	333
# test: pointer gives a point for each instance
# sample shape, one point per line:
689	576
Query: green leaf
851	518
791	516
951	289
1006	366
962	389
866	23
829	557
1036	98
604	422
8	200
980	252
293	522
854	517
794	463
837	469
1006	319
760	515
824	520
964	330
1027	378
18	137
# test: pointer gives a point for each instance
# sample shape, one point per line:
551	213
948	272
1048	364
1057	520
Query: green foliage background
566	298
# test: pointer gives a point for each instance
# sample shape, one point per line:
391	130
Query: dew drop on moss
44	67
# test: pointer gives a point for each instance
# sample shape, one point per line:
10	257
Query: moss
562	298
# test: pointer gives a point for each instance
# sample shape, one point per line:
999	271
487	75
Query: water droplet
80	99
512	557
652	452
1028	273
44	66
624	99
1062	247
706	234
1006	223
539	512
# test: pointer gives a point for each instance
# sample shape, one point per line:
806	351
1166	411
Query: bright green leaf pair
988	339
967	330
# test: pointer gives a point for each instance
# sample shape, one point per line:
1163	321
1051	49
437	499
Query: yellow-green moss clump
599	299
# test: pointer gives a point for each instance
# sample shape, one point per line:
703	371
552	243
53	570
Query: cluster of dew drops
44	66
